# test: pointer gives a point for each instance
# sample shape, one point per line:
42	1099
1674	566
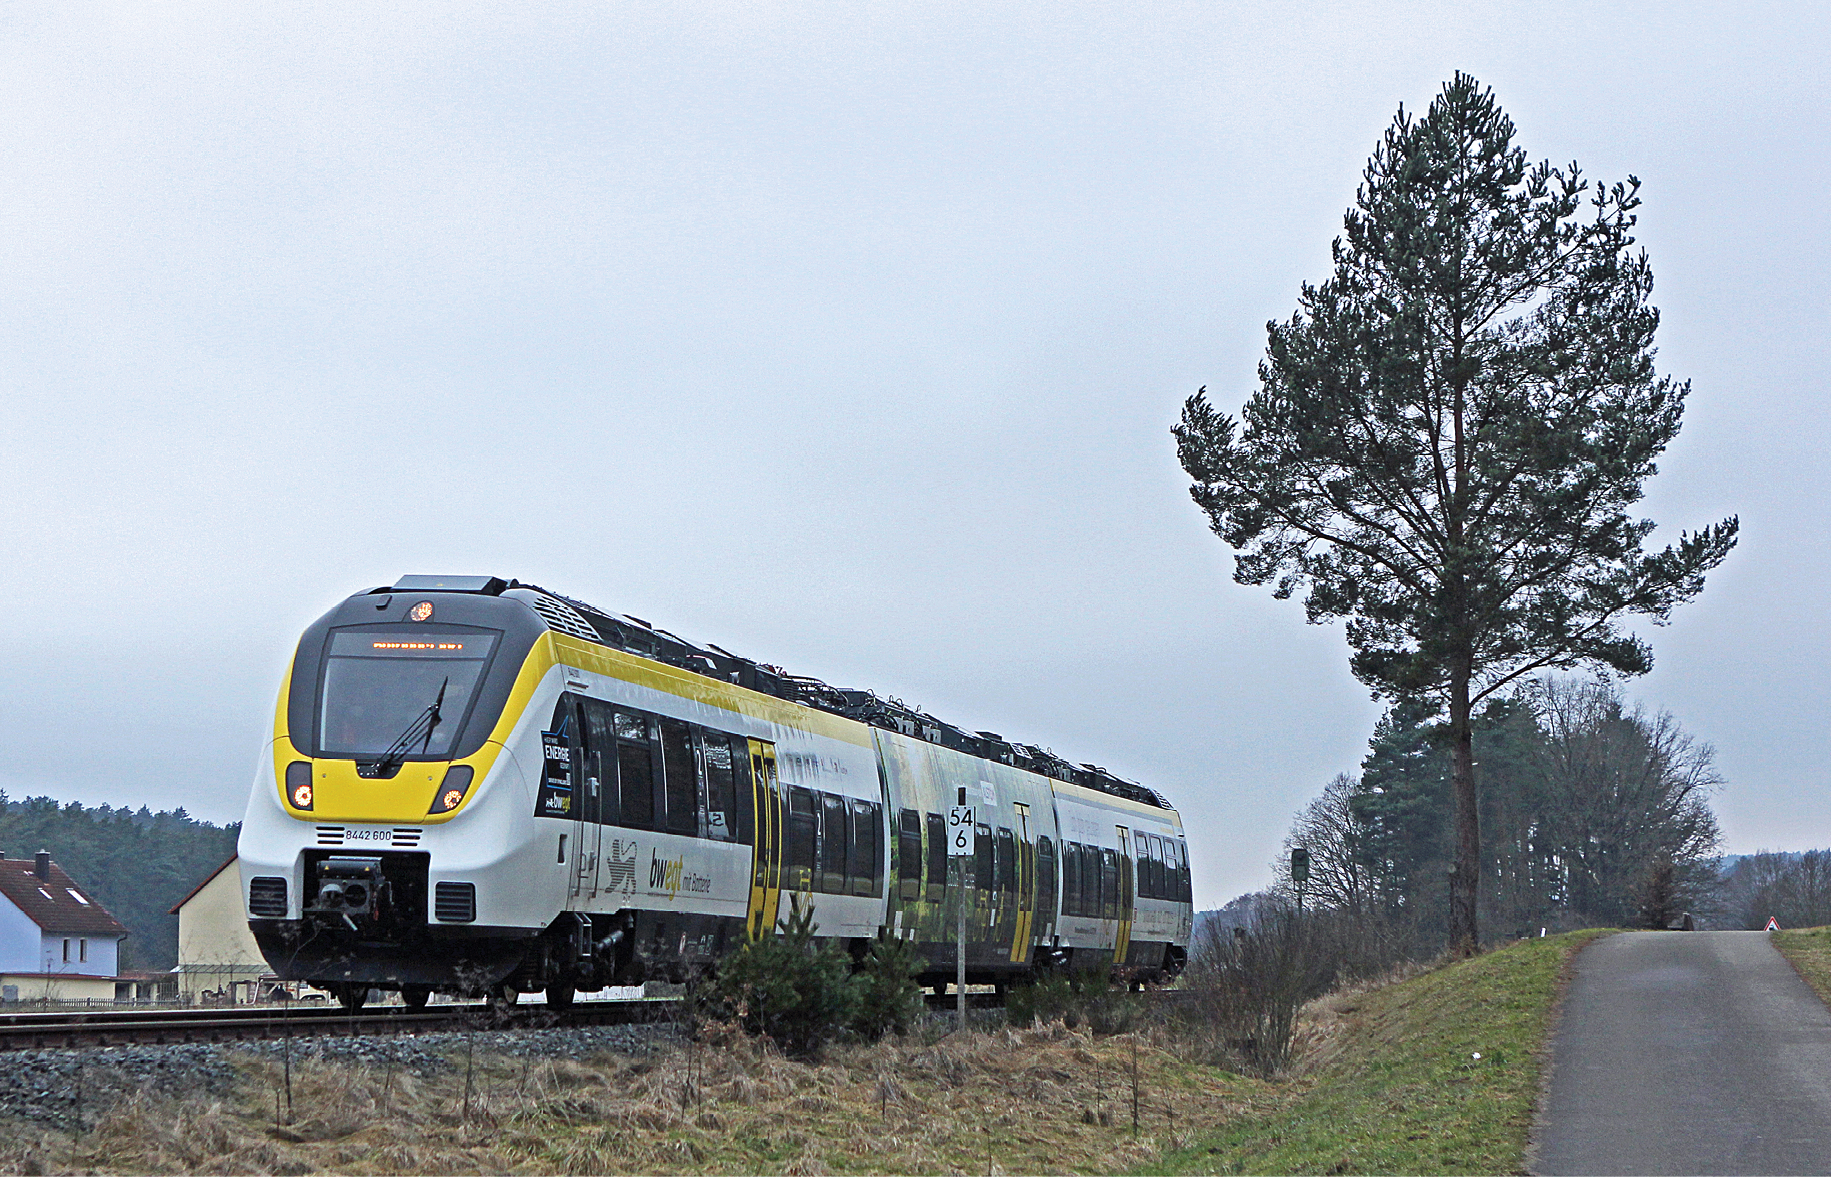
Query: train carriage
476	785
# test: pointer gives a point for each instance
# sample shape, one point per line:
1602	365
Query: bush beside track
1388	1081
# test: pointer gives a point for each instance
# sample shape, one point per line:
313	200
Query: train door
766	852
1124	939
594	752
984	893
1026	887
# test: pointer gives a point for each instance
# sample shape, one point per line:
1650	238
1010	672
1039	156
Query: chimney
42	865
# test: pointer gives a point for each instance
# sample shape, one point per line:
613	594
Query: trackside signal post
962	841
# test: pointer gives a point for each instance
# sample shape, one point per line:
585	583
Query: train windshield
379	684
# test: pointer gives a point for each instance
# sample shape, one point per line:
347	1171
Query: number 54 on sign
961	833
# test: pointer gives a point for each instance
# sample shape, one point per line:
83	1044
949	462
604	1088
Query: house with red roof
56	941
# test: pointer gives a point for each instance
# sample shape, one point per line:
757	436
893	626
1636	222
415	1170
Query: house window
82	949
66	950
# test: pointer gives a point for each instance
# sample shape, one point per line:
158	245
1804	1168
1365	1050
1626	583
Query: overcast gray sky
847	337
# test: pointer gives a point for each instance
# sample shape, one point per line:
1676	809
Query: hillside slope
1436	1074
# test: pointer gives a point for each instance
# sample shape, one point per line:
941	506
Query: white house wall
101	962
19	939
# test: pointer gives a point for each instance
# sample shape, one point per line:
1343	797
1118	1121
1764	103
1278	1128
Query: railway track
975	999
87	1028
987	999
53	1030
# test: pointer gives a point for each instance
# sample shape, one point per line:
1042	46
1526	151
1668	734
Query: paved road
1688	1052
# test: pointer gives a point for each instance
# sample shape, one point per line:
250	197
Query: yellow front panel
339	795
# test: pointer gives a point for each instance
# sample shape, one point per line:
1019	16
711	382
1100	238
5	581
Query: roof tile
53	903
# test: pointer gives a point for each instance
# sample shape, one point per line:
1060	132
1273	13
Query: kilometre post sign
962	841
961	833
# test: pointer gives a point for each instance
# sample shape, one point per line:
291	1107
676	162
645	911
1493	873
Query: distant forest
137	862
1791	888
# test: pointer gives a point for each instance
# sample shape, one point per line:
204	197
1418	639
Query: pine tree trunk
1465	875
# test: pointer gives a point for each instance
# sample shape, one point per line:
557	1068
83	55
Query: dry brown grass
1046	1100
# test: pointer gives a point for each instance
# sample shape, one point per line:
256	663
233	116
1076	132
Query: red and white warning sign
1773	925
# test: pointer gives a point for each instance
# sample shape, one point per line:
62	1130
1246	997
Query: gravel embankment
431	1053
47	1086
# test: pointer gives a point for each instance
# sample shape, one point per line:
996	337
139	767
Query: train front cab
360	852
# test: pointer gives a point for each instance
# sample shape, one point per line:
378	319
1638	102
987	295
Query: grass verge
1395	1085
1809	951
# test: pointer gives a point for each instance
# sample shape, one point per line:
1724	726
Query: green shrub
1108	1008
788	988
889	998
1051	996
1089	998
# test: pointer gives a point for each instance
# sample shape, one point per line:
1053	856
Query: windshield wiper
420	730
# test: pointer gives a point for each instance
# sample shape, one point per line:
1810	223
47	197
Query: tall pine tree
1450	430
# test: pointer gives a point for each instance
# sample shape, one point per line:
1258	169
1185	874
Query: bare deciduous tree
1329	830
1623	790
1794	889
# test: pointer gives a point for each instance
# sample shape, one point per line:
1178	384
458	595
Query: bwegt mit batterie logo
672	876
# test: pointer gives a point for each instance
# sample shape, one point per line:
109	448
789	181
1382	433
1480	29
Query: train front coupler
348	892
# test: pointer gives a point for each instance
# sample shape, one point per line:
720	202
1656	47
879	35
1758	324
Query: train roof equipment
633	635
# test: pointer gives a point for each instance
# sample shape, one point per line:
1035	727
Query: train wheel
504	997
415	996
559	996
351	997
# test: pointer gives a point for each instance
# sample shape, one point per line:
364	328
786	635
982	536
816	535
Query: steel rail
986	999
49	1031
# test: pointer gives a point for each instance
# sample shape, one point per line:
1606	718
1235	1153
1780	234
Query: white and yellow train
478	786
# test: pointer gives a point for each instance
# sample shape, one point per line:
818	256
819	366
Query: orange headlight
452	789
299	784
